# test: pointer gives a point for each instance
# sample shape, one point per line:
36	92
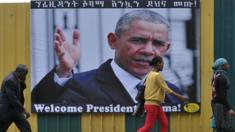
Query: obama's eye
138	40
158	43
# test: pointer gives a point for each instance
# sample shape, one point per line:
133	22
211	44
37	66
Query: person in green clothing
222	111
154	95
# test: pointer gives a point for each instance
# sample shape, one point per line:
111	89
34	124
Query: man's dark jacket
11	96
98	87
221	85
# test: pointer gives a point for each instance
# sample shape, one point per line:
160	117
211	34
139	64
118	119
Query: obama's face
138	45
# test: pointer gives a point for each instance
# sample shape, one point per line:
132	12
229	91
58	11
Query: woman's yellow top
155	89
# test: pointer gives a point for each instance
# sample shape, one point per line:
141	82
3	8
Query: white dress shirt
128	81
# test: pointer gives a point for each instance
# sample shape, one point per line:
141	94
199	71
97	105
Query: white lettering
89	108
57	109
39	107
173	108
47	109
52	108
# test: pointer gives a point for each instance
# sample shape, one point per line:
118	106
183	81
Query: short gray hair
145	15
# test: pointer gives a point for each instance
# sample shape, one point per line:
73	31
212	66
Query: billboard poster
89	55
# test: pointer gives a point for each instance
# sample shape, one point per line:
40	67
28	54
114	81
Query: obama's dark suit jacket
99	87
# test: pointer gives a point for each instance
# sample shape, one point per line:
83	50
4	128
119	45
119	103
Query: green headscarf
219	63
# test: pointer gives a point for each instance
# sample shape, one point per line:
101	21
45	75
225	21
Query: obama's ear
112	40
